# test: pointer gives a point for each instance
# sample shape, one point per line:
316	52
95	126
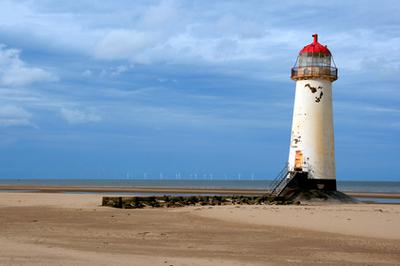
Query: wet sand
94	189
73	229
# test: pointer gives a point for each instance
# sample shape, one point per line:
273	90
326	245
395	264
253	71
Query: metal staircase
281	181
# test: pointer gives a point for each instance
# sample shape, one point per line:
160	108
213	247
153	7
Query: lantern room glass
314	60
314	65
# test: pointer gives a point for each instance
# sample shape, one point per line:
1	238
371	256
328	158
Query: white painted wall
312	128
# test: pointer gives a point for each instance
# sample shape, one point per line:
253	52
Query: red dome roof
315	47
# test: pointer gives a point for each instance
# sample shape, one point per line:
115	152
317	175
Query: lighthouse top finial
315	47
315	37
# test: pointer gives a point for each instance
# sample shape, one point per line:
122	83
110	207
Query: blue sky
106	89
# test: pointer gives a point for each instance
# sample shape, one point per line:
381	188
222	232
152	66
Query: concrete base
303	189
302	181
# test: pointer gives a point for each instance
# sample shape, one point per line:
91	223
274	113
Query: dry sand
72	229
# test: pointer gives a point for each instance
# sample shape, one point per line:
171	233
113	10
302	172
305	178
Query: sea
348	186
345	186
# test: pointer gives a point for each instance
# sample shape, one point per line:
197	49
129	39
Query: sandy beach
73	229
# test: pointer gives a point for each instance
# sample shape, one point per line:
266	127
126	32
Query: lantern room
315	61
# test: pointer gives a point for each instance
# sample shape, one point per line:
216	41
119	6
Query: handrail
278	185
319	66
285	181
278	179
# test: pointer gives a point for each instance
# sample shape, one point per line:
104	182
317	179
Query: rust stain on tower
298	161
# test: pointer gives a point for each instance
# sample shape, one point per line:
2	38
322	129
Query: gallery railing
309	72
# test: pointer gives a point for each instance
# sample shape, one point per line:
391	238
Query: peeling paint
318	98
312	89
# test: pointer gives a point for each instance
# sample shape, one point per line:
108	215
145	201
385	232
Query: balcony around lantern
314	72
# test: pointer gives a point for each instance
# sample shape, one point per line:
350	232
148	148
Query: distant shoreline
219	191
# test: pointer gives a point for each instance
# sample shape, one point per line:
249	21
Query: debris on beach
296	197
181	201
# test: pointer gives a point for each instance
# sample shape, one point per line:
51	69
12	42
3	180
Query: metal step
281	181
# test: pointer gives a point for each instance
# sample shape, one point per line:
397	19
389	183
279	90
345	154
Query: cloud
172	32
211	33
144	41
87	73
75	116
120	70
11	115
14	72
383	110
163	107
124	44
166	13
355	106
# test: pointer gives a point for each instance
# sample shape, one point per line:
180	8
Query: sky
150	89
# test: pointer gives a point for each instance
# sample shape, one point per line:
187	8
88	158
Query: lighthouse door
298	161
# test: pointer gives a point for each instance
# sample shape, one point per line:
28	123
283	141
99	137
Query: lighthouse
311	163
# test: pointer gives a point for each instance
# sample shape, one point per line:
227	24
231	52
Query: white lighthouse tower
312	155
